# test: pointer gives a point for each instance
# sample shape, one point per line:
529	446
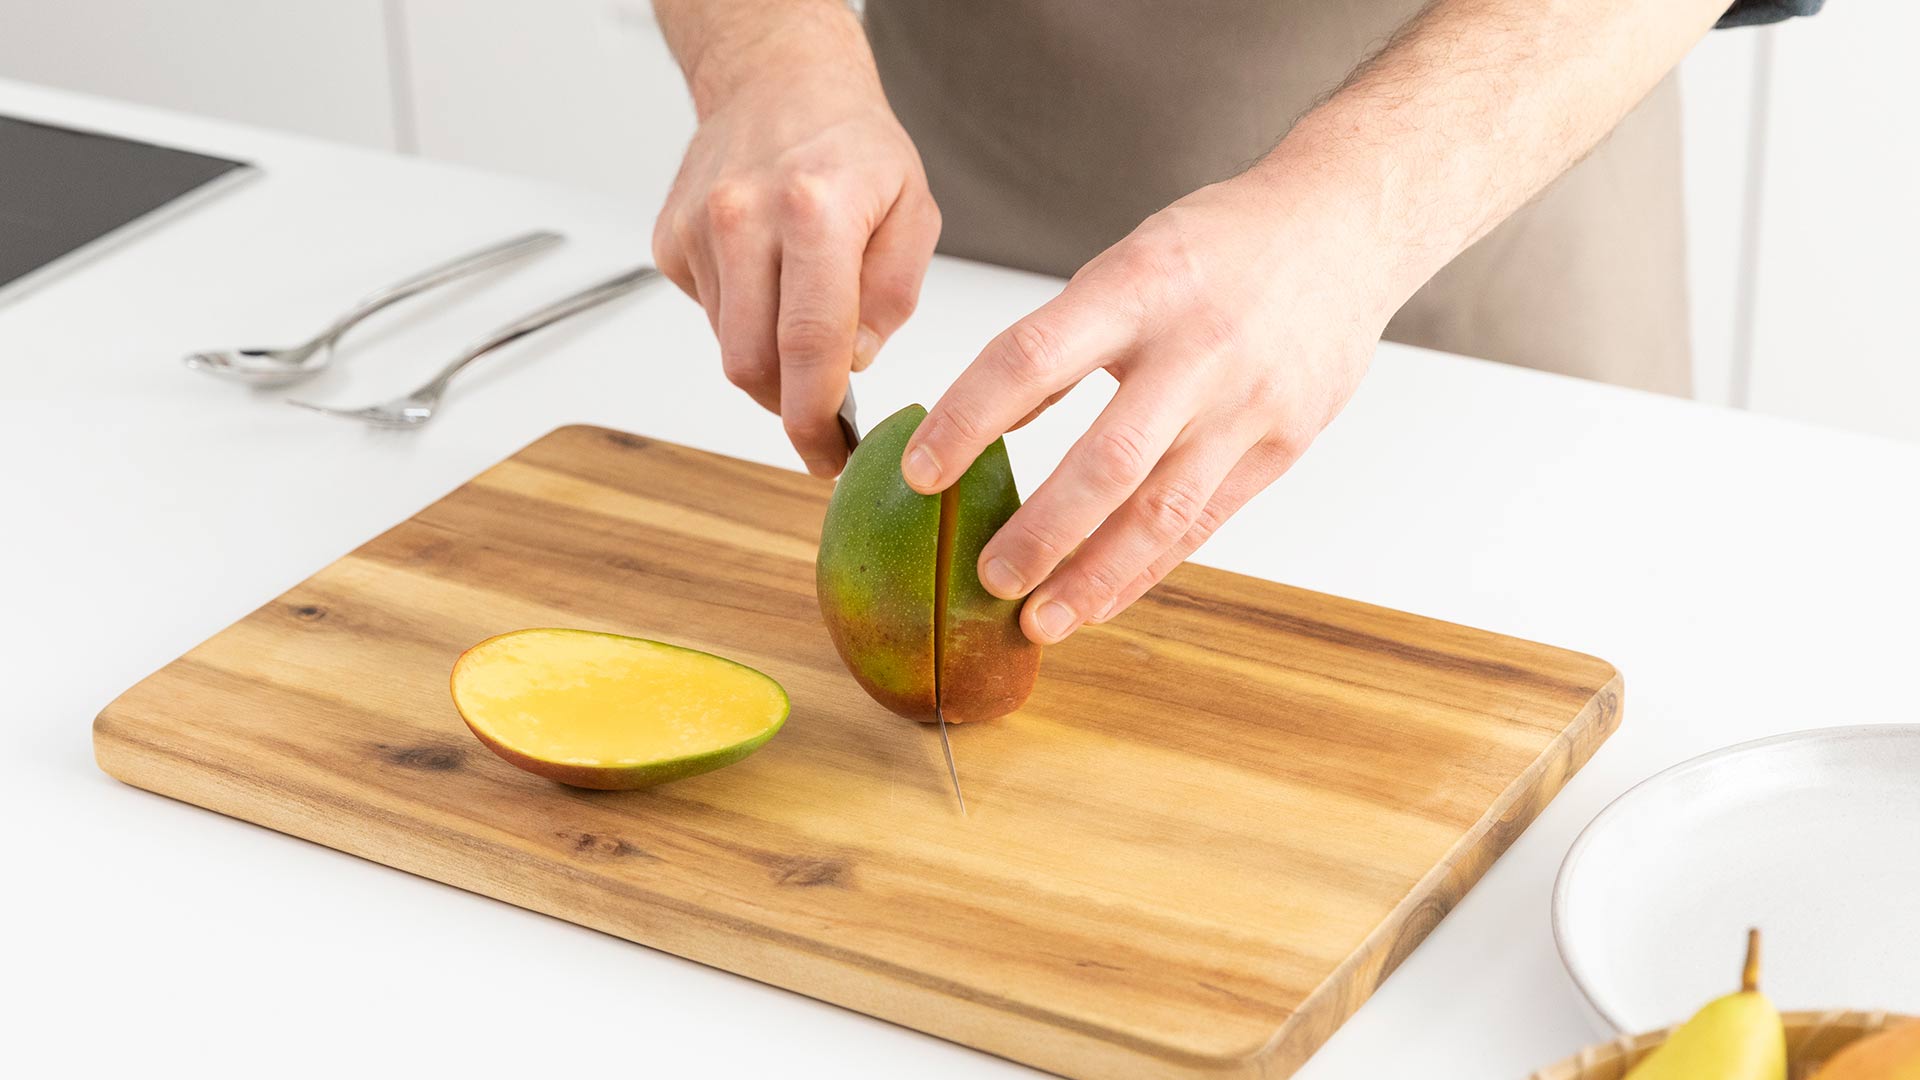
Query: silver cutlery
280	367
416	408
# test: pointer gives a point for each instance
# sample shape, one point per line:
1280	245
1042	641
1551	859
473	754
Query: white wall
318	66
1717	93
1837	284
1801	166
581	91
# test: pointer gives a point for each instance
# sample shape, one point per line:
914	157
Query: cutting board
1219	822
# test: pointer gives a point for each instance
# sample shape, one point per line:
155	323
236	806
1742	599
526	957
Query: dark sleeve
1754	12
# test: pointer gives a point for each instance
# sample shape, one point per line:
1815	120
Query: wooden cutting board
1217	825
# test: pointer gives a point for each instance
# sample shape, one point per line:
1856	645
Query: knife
850	427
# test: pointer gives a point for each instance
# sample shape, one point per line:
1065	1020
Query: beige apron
1050	128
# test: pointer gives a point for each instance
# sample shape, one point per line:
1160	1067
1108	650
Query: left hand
1238	321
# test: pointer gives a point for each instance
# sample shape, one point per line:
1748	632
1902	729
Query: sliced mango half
597	710
899	589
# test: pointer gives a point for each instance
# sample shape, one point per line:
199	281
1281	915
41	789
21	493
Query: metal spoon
280	367
416	408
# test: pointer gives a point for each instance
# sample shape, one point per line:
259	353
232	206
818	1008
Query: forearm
722	44
1472	109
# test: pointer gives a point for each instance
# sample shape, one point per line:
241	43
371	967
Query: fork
279	367
413	409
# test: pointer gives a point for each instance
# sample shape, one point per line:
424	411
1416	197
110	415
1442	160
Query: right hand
801	221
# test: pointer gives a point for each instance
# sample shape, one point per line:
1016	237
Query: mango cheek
883	550
987	671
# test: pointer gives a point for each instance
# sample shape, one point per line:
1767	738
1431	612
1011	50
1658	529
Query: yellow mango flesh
605	711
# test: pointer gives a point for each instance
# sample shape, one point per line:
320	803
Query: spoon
413	409
280	367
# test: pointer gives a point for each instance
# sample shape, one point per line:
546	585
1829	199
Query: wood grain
1216	826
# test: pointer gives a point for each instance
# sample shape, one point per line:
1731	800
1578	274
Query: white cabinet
314	66
580	91
1837	283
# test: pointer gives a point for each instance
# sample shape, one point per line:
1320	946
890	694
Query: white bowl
1814	837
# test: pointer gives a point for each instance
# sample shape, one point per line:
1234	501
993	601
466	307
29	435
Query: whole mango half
900	591
605	711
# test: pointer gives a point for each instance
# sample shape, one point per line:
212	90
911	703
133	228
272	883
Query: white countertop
1750	576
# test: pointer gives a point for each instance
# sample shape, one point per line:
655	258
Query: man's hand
1235	337
800	219
1238	320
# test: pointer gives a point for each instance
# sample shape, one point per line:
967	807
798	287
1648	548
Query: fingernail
1107	610
866	346
920	470
1054	619
1001	579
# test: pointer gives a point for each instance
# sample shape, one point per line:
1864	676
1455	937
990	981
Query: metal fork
416	408
279	367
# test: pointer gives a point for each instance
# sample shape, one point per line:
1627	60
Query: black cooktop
61	190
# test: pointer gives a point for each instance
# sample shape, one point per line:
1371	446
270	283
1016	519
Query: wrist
777	45
1321	212
1339	180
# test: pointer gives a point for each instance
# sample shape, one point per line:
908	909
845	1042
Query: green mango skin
877	584
874	574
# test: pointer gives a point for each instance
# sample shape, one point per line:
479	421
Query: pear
1893	1054
1737	1037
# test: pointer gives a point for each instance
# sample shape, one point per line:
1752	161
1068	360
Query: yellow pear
1893	1054
1737	1037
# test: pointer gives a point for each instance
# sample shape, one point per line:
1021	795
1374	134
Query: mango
1893	1054
900	592
598	710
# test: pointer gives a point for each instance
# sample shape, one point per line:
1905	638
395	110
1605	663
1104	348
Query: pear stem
1750	975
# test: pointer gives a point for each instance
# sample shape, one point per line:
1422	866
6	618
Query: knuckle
804	429
1204	525
808	339
1038	543
959	422
1096	582
1173	508
729	205
804	197
1032	353
1133	260
681	232
1286	444
809	431
669	241
896	294
1120	456
745	371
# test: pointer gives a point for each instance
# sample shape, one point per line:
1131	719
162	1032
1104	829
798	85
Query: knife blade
849	419
946	745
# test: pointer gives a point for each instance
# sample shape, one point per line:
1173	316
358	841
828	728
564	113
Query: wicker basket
1812	1038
